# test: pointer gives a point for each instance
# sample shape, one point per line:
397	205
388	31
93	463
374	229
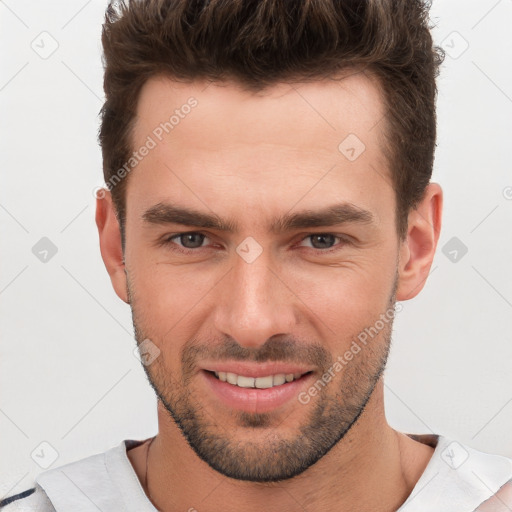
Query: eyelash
167	241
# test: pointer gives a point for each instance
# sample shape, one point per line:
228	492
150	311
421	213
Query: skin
251	158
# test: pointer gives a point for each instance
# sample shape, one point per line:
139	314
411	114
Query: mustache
277	348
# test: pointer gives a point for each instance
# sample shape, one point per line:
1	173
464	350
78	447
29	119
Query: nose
254	302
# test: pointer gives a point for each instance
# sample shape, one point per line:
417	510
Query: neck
373	467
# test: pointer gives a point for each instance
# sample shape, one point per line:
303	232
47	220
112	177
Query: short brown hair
259	43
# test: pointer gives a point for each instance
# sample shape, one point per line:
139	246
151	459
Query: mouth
264	393
263	382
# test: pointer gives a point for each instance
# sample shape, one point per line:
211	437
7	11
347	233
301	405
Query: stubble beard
273	457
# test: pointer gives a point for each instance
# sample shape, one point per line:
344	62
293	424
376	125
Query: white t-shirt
456	479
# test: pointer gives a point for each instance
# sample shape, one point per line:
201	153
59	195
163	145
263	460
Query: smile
264	382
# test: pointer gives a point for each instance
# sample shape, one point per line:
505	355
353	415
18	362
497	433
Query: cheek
174	301
168	297
342	302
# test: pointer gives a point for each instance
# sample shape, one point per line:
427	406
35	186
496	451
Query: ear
418	249
110	242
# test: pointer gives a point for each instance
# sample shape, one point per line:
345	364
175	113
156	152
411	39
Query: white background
68	376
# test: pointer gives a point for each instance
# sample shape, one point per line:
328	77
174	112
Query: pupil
321	237
190	237
325	240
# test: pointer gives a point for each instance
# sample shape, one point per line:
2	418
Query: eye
191	240
323	241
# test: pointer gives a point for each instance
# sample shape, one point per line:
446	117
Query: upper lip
256	369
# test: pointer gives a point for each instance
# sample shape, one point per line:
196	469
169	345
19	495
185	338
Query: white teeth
279	379
263	382
231	378
244	382
257	382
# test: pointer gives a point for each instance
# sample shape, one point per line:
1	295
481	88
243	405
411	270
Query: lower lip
253	399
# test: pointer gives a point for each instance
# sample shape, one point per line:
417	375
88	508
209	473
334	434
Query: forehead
351	103
215	140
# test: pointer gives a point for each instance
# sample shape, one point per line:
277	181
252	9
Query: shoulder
459	477
106	478
501	501
33	499
68	487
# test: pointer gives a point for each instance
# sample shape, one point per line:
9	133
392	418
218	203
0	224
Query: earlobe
418	250
110	243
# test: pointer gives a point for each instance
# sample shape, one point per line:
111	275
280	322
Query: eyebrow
343	213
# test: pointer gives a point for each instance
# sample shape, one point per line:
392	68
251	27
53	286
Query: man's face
265	290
